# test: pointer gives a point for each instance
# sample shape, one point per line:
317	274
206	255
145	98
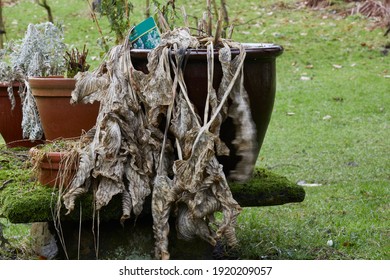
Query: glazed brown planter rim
56	82
266	50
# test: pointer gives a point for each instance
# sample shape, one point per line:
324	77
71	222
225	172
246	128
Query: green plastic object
145	35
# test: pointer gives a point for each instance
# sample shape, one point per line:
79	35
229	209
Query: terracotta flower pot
53	169
59	118
259	82
11	119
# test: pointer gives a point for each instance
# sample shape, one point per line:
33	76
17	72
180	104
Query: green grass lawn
330	124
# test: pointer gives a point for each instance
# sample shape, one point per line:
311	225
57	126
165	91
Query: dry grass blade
210	78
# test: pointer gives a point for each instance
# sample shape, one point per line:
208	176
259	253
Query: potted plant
47	84
38	62
175	121
51	168
36	54
54	92
55	163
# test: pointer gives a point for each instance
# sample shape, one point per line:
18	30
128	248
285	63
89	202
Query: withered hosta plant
149	139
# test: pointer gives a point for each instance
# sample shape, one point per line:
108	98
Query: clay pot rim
14	84
54	77
54	157
51	82
51	168
51	160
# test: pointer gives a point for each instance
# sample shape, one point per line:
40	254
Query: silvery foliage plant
8	74
40	53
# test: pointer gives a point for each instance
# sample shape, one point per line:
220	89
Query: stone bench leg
44	241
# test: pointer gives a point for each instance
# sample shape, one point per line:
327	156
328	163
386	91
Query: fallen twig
6	183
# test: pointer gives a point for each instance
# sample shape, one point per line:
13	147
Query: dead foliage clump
372	8
150	140
376	9
379	10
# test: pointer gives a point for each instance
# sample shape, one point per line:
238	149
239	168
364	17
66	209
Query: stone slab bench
23	200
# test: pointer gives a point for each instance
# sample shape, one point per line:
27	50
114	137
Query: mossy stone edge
23	200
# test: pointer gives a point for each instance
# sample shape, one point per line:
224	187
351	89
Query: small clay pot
53	171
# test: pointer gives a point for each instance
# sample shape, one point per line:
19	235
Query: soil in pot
59	118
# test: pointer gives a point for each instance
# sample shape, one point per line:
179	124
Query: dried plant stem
225	13
147	9
215	7
218	31
184	91
79	237
230	32
210	76
209	29
185	17
164	26
223	100
57	226
169	116
97	25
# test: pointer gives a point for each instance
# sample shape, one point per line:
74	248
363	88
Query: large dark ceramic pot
59	118
259	82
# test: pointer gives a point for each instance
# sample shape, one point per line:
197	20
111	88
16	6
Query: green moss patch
24	200
266	189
